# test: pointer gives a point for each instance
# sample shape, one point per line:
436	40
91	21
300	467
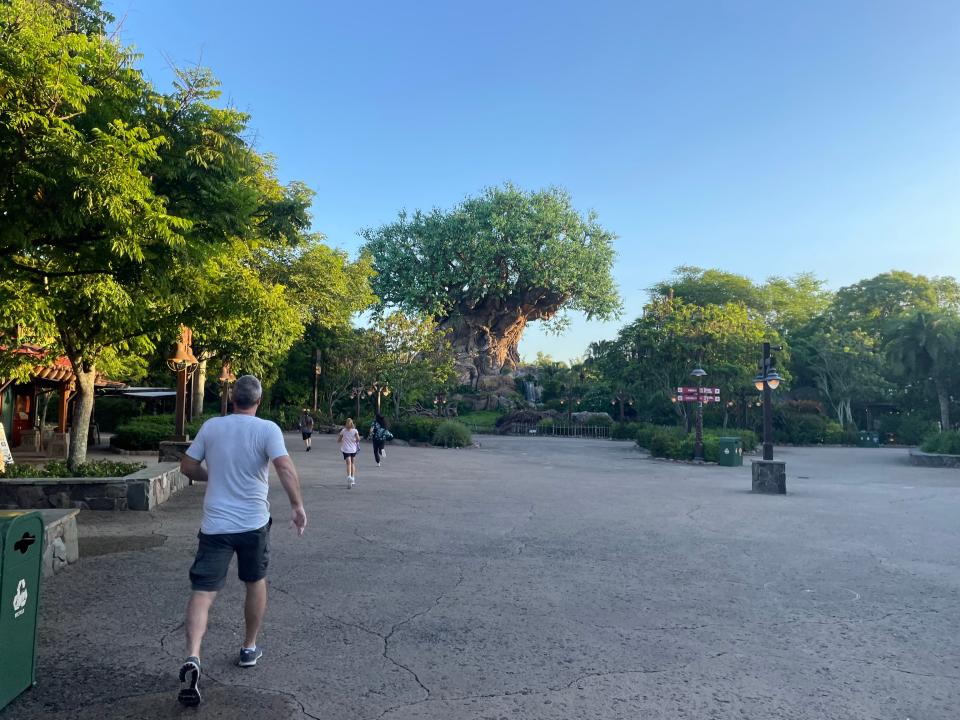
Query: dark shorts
307	434
214	553
348	455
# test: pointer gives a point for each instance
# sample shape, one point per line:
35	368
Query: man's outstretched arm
291	484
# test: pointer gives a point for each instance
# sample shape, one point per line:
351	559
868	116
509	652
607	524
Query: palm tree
925	346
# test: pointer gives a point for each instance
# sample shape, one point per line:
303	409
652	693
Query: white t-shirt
238	450
350	440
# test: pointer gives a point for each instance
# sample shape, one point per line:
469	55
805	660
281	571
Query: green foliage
415	429
451	433
625	431
60	469
674	443
907	429
146	432
946	443
499	246
113	412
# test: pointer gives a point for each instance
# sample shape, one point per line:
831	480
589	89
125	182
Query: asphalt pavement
540	579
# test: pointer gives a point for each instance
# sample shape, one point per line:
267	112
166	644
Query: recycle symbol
20	599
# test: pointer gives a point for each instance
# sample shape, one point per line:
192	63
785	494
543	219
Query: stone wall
143	490
61	545
922	459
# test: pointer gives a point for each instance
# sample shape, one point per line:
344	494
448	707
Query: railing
600	432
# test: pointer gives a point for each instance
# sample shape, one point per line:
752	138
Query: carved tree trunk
944	398
82	411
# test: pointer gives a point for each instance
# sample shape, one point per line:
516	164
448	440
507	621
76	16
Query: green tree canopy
491	265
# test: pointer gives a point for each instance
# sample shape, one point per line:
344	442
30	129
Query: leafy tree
871	304
493	264
113	193
846	365
698	286
413	358
926	348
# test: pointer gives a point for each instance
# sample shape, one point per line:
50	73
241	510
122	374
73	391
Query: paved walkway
548	579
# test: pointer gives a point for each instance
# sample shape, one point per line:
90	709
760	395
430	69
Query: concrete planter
143	490
935	460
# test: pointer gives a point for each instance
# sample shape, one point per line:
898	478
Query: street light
699	373
226	379
183	362
767	380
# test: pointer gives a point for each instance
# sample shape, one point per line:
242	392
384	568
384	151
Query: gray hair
246	392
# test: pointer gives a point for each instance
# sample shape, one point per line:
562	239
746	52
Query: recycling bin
868	438
731	451
21	560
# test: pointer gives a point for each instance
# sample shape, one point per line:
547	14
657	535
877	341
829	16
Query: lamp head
699	372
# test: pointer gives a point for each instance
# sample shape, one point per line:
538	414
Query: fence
600	432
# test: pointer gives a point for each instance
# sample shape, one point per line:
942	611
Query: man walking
238	449
306	427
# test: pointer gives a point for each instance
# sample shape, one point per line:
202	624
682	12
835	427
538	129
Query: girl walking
349	439
379	434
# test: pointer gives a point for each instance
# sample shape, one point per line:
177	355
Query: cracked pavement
536	578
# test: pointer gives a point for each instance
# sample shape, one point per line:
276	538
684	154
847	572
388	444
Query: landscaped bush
111	412
624	430
907	429
146	432
415	428
672	442
59	469
946	443
451	433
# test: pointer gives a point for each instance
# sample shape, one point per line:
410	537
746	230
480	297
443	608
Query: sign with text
694	394
6	457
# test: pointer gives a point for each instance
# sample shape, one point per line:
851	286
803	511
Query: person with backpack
306	427
379	435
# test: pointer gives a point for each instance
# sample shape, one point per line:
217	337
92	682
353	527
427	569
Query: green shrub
672	442
147	431
111	412
59	469
946	443
415	429
907	429
833	433
451	433
624	430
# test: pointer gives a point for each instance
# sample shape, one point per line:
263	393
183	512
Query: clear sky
759	137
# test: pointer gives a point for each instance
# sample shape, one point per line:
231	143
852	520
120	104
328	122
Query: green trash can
731	451
21	560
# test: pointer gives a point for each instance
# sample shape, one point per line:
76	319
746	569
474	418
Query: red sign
693	394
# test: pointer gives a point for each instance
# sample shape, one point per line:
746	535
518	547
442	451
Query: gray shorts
214	553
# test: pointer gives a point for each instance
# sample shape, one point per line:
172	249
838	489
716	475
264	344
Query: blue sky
763	138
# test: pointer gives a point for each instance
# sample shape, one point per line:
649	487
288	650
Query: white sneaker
351	482
378	464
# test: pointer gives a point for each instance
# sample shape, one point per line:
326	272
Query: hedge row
146	432
59	469
946	443
674	443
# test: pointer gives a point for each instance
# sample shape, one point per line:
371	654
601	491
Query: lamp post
183	363
769	475
381	389
226	379
440	400
356	392
767	380
568	400
623	399
316	377
699	373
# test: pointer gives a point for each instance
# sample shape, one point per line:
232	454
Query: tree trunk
82	411
944	397
199	383
483	344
